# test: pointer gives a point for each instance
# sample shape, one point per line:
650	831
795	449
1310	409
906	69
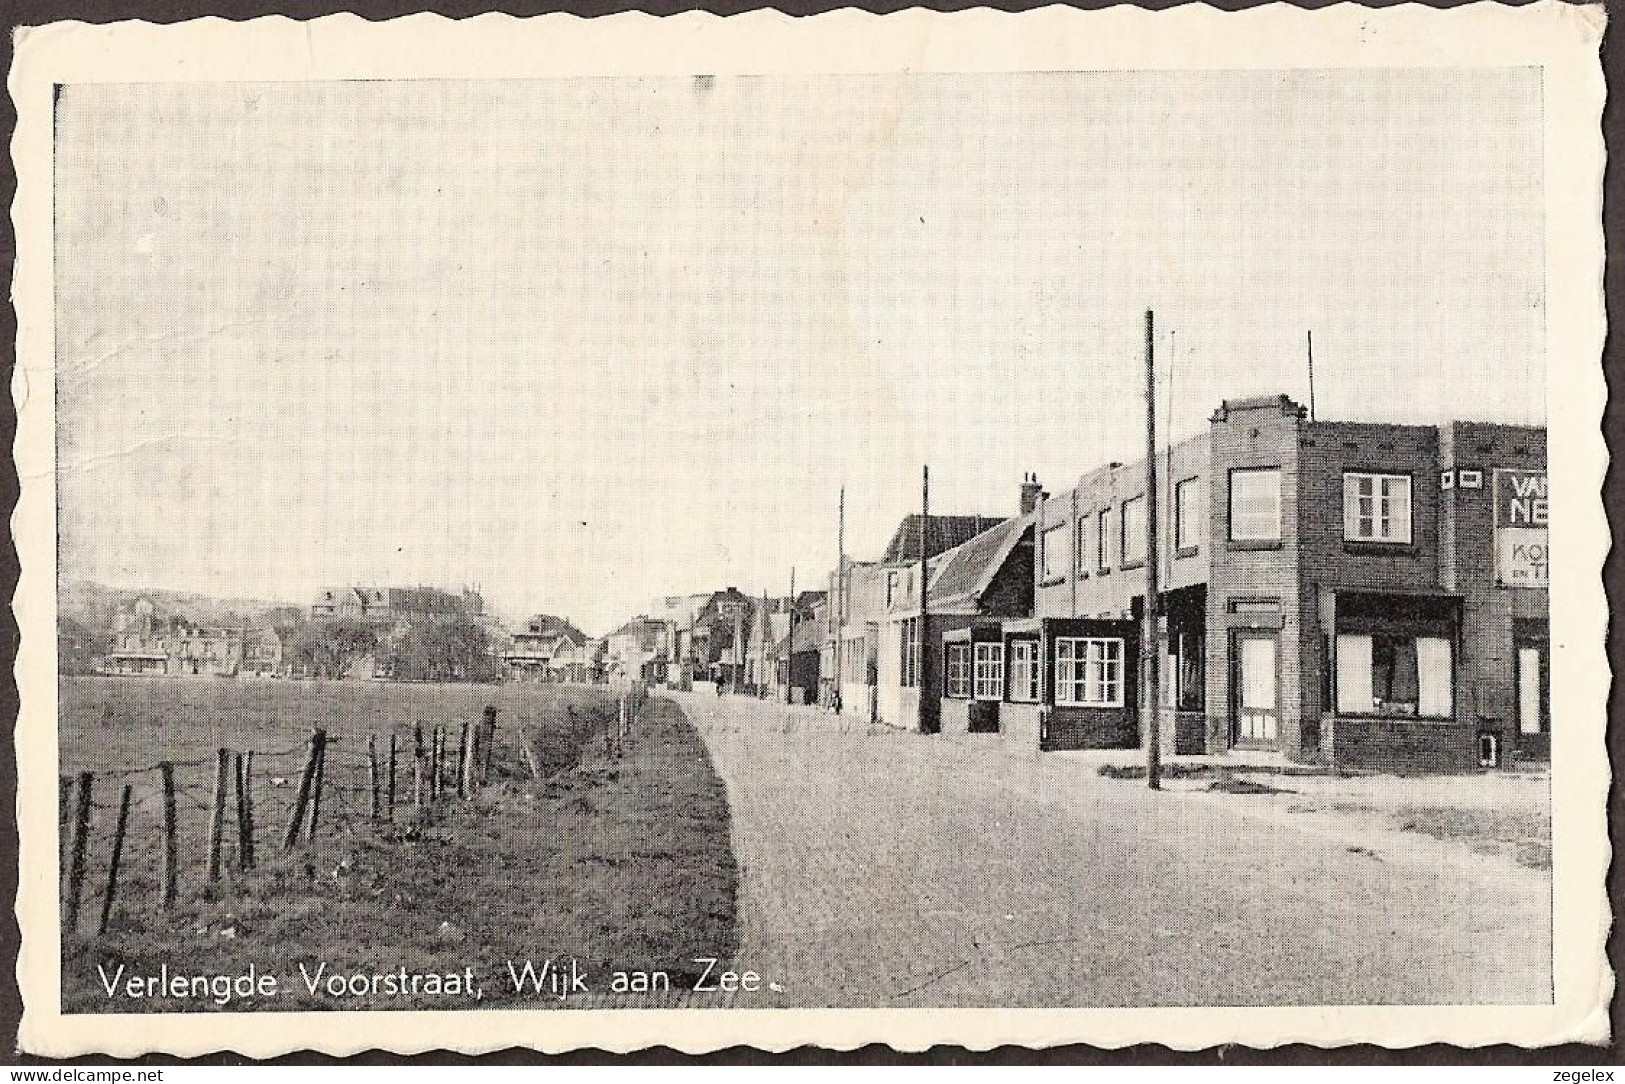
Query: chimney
1031	492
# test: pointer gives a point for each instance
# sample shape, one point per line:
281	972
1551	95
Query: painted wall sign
1522	554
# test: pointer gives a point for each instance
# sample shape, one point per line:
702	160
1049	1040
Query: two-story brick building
1357	593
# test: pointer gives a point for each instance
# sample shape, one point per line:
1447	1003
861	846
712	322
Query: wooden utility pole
1309	337
1151	647
840	595
919	646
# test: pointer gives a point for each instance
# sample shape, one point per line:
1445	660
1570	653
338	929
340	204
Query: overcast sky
587	342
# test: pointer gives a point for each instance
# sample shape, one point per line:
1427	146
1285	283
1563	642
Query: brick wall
1262	434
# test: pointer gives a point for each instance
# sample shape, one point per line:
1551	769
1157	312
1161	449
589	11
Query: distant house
262	651
365	603
910	659
636	652
533	648
857	609
144	641
717	643
801	656
769	625
390	605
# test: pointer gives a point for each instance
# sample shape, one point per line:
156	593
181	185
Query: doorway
1255	715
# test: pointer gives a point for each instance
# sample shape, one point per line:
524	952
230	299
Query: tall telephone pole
790	644
920	639
1150	641
839	600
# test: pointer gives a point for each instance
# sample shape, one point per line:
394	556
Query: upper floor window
988	677
1255	504
891	587
1055	556
1377	507
1187	515
1103	540
1134	530
1080	544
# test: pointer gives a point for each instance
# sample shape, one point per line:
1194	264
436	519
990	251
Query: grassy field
613	863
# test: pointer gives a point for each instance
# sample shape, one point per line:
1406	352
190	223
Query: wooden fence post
245	816
76	859
217	811
319	740
389	792
434	765
64	802
112	865
296	816
372	774
417	767
248	803
171	871
465	760
488	742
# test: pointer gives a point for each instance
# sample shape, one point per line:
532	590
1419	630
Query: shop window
1024	671
1133	543
1089	671
1186	515
909	646
957	669
1055	556
988	677
1377	507
1255	505
1395	675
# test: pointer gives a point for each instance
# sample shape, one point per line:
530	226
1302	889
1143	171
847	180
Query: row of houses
1350	593
145	641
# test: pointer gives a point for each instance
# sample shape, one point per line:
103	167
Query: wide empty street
885	868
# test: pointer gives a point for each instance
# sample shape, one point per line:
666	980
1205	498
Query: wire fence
170	829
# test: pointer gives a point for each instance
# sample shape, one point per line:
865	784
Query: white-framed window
1103	540
1055	556
1187	514
1376	507
1255	504
988	675
1024	671
1089	671
891	587
1379	674
1133	545
956	669
1080	544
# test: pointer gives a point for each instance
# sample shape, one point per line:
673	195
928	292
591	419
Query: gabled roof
941	533
549	625
809	635
968	570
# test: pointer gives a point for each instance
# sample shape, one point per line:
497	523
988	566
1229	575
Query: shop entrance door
1256	712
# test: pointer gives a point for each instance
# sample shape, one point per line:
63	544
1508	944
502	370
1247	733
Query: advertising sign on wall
1522	556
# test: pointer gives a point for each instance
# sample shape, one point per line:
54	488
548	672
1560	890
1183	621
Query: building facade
1344	592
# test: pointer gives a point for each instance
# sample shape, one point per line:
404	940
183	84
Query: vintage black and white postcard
939	528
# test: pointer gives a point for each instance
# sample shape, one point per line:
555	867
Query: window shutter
1354	674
